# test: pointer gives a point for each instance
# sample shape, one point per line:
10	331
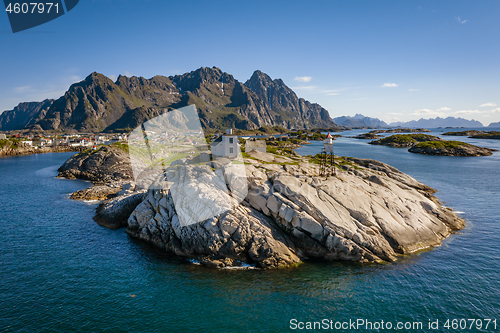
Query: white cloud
461	21
395	114
427	113
303	78
462	112
127	73
307	88
22	89
443	109
113	77
389	85
413	89
331	92
488	104
497	110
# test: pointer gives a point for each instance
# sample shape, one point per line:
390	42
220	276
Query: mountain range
97	104
439	122
360	121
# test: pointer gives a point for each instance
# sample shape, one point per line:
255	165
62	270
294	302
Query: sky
394	60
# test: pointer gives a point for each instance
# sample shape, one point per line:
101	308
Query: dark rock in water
105	165
450	148
371	136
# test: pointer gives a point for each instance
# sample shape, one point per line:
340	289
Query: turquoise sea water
61	272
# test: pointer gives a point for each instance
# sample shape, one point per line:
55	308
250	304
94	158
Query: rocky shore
275	213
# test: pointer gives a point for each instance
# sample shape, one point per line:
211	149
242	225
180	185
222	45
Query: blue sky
395	60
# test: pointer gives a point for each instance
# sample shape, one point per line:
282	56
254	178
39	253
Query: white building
253	144
226	145
27	143
3	136
329	144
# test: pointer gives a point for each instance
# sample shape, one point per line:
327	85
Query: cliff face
23	115
99	104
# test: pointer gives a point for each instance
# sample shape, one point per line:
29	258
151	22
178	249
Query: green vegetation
441	144
121	145
404	140
4	143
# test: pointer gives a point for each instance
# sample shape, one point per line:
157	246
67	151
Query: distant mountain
494	125
24	114
439	122
360	121
98	104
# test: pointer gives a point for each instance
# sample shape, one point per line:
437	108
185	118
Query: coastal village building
226	145
253	144
3	137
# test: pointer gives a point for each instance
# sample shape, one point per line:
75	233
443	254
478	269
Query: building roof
328	136
216	141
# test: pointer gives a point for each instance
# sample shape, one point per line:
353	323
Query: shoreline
32	151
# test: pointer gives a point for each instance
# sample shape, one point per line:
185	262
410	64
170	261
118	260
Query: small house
3	136
226	145
253	144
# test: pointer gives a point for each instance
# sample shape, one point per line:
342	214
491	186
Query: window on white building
230	150
231	140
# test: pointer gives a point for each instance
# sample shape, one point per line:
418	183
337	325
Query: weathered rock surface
99	192
114	213
105	165
290	214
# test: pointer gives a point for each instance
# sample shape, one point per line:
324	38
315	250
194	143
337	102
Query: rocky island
368	212
474	134
405	140
450	148
369	136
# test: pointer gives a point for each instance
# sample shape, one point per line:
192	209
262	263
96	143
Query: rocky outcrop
106	165
450	148
114	213
474	134
371	136
405	140
279	215
99	192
